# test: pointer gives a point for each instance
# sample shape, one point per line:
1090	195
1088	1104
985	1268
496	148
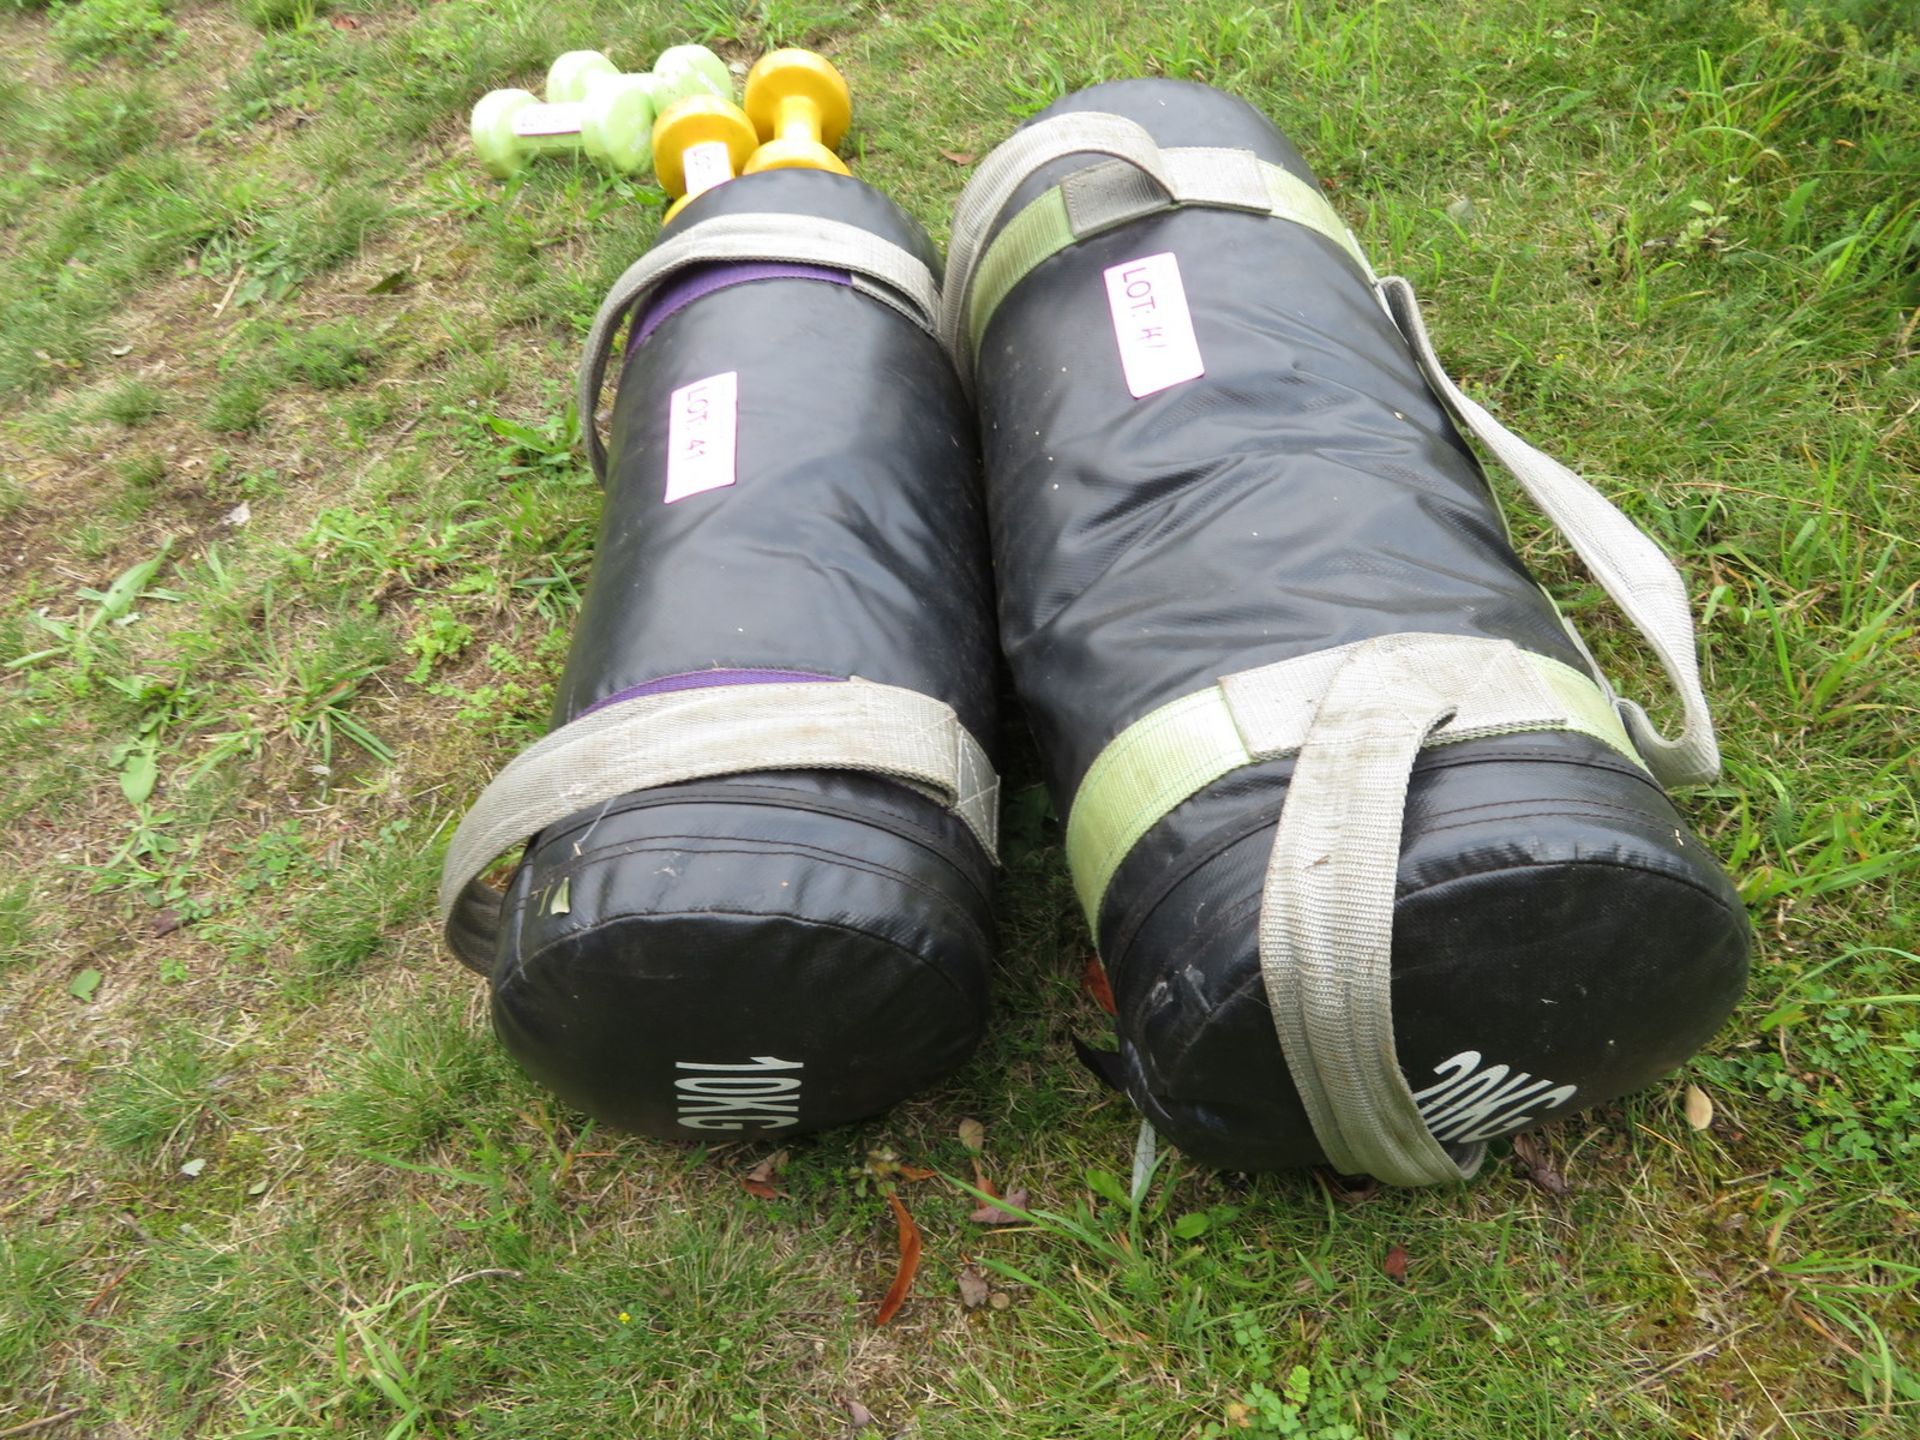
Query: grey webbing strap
680	735
1218	178
1003	172
797	239
1326	910
1633	570
1114	192
1140	180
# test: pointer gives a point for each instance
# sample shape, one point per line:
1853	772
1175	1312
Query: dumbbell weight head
698	143
680	71
683	71
801	107
501	150
568	75
608	132
616	126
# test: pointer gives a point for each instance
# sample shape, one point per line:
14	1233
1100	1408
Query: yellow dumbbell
698	143
800	106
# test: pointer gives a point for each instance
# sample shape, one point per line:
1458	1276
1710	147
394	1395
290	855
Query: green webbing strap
1171	754
1113	193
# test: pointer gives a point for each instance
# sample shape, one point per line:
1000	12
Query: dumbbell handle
797	118
706	165
554	125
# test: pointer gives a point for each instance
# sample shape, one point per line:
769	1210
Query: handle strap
1326	909
880	269
666	738
1633	570
1004	171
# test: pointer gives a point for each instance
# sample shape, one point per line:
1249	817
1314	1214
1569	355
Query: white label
732	1096
532	120
702	420
706	165
1153	325
1472	1103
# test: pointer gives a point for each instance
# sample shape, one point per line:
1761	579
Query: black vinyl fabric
1560	938
770	952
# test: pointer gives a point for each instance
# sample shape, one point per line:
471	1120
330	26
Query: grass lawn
292	529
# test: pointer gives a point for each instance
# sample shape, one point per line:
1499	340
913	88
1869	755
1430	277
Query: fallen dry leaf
1396	1265
909	1263
958	157
1093	979
759	1180
1699	1108
994	1215
1348	1189
1537	1165
973	1135
859	1417
771	1166
974	1290
885	1165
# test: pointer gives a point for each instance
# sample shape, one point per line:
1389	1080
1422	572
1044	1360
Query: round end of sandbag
747	957
712	1027
1538	969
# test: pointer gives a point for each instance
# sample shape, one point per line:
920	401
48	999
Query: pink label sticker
706	165
534	120
1152	324
702	422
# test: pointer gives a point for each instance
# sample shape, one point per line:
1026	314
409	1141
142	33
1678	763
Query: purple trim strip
702	280
701	679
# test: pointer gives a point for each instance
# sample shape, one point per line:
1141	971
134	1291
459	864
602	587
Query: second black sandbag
1209	450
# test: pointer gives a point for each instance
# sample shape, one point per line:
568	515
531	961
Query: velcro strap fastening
1275	707
667	738
1006	168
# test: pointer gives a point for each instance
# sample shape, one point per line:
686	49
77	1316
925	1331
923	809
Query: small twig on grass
1905	415
1714	1348
1794	1307
113	1284
482	1275
232	285
42	1423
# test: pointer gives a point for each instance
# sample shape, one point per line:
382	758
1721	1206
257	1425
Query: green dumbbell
613	124
681	70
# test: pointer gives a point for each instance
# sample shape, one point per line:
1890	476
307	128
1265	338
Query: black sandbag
786	951
1559	936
